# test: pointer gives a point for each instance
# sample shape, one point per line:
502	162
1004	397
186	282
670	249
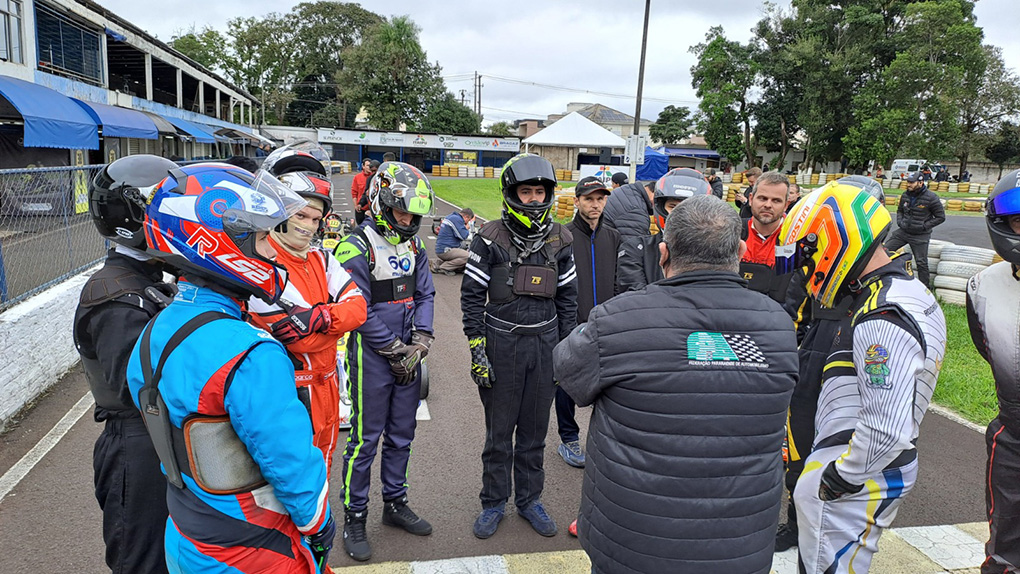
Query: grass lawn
965	384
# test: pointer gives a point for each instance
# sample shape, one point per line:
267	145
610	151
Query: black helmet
1003	202
679	183
873	187
400	186
528	221
119	193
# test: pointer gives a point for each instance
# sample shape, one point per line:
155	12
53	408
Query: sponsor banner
603	172
458	157
413	140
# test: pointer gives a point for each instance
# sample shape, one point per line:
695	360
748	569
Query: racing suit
317	278
520	332
876	386
130	488
993	311
230	370
397	283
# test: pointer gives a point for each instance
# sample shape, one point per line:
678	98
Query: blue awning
213	130
51	118
120	122
201	135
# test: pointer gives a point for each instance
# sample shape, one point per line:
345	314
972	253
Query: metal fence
46	234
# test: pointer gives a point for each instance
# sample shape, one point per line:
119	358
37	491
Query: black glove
403	360
481	369
833	487
422	340
301	322
322	542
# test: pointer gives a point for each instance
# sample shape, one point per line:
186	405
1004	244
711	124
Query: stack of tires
951	266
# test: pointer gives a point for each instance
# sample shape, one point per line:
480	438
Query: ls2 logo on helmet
246	268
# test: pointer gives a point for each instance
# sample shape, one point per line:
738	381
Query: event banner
414	140
603	172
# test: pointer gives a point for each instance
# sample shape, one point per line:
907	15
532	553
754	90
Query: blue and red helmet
204	220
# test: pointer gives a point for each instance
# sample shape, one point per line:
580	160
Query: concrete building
111	90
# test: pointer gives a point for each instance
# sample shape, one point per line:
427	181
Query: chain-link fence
46	234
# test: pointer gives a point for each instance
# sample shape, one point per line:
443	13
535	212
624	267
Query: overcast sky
590	45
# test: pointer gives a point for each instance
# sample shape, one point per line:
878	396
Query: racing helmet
119	193
527	221
832	233
332	225
1003	201
304	145
867	184
680	183
204	220
305	175
400	186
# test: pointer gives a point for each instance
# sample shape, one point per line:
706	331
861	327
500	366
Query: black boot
786	536
397	513
355	537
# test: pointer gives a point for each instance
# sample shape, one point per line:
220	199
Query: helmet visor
258	211
1005	203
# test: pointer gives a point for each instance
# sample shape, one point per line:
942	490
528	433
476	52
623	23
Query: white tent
575	130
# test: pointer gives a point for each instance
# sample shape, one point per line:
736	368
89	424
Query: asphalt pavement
50	520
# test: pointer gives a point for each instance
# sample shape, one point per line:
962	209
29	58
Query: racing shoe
355	537
487	522
397	513
540	520
786	537
572	453
572	529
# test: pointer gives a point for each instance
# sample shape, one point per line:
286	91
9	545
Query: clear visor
269	204
1006	203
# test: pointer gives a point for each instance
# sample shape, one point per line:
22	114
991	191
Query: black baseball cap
916	176
590	184
620	178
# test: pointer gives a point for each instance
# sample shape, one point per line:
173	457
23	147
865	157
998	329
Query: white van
901	168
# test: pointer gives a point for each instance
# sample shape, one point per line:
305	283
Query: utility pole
463	97
478	93
640	85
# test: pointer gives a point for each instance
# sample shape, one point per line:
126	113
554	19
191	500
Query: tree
1005	148
989	97
390	74
723	78
721	128
206	46
673	124
447	115
777	113
501	129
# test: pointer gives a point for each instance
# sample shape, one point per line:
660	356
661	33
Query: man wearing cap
596	248
619	178
919	212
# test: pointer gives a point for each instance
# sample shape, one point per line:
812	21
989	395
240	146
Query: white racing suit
876	387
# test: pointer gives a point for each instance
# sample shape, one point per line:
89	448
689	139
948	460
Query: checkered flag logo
745	348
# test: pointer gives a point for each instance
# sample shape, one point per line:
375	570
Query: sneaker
355	537
572	453
487	522
397	513
786	537
572	529
540	520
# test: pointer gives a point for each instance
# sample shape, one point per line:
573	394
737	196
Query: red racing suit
319	278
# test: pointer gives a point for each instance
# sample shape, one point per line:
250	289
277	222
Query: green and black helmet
399	186
528	221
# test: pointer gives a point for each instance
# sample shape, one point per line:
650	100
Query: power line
583	91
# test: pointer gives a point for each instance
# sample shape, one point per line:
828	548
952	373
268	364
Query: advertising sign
459	157
413	140
603	172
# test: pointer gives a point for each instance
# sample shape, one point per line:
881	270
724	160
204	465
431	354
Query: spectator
741	197
760	232
619	179
704	406
879	173
361	205
716	183
919	212
454	231
965	176
792	196
358	186
628	211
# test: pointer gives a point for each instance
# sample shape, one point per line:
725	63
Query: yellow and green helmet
832	233
528	221
403	187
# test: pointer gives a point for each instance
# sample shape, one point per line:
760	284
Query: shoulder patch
874	365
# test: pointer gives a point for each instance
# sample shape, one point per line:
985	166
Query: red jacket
358	186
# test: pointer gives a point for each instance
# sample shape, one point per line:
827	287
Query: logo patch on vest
536	280
706	349
874	365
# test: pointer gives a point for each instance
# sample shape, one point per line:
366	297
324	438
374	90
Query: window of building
67	47
10	31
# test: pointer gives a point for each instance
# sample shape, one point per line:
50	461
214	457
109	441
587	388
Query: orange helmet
832	232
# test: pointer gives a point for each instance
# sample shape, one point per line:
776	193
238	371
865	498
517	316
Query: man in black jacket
115	305
919	212
596	248
717	186
628	211
684	471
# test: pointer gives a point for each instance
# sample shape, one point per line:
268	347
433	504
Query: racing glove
322	542
833	487
422	340
301	322
403	360
481	369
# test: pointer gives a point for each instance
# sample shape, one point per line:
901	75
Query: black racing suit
993	312
520	331
918	213
112	311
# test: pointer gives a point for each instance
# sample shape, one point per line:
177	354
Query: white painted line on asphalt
12	477
955	417
946	545
423	414
470	565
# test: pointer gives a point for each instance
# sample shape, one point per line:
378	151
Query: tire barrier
951	266
465	171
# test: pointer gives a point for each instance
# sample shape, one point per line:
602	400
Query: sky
582	45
